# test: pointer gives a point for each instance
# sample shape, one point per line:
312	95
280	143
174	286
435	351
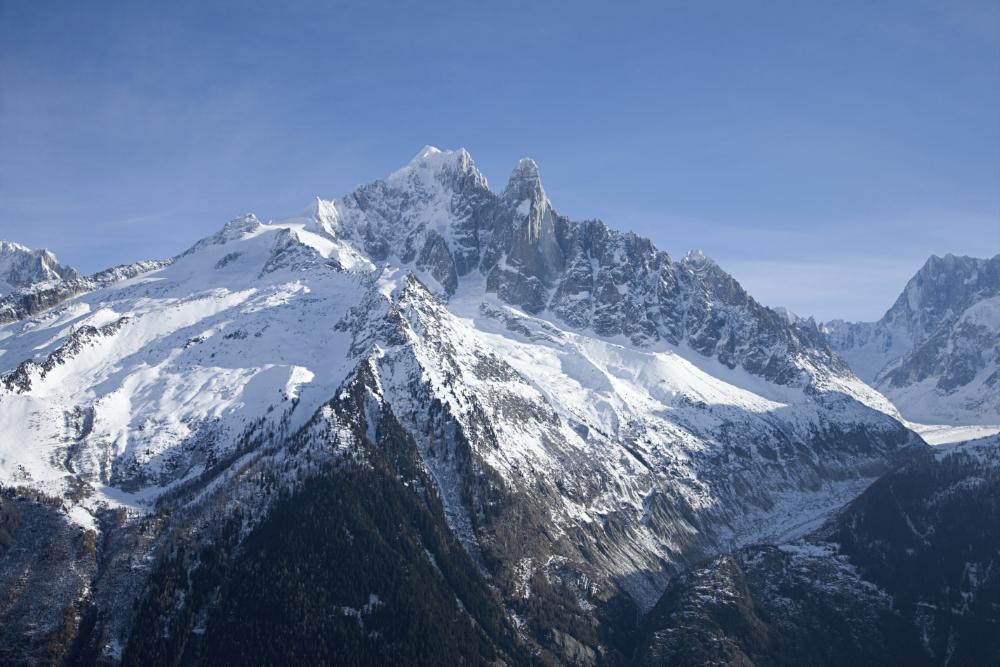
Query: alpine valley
431	423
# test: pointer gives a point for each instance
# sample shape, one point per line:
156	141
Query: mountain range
434	423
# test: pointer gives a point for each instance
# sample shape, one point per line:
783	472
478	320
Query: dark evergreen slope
356	567
929	534
40	608
770	605
356	570
909	574
9	520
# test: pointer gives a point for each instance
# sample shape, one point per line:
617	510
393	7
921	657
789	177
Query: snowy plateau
546	440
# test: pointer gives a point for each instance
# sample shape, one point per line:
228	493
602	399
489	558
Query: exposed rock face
936	352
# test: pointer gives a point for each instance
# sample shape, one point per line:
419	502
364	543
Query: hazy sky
820	151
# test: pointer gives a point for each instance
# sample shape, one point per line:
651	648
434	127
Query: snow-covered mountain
936	352
583	414
23	267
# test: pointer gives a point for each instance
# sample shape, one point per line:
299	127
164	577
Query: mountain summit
22	267
936	351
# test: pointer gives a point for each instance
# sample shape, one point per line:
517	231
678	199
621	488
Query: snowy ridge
175	364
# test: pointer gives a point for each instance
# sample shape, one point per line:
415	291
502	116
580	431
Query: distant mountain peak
934	351
697	258
12	246
525	183
526	168
433	166
323	216
20	267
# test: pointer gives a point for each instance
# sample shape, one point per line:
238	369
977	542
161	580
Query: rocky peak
526	257
432	169
524	183
237	227
934	352
588	275
322	215
698	261
11	248
231	231
940	290
533	216
21	266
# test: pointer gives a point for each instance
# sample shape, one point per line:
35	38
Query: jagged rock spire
524	183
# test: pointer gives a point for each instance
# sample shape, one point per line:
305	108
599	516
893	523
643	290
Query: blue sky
819	151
